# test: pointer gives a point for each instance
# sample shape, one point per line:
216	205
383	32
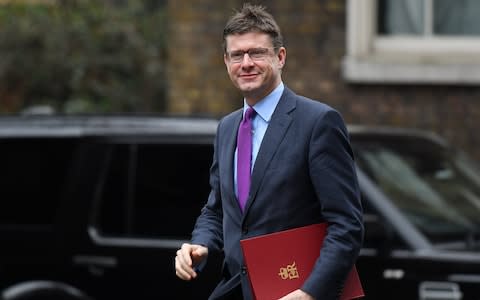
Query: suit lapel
275	133
230	145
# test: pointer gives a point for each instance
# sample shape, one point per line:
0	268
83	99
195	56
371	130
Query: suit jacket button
244	270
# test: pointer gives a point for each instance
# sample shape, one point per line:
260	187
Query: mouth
248	76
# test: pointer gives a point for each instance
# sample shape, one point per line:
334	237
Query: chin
248	87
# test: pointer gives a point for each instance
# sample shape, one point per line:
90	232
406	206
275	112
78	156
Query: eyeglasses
255	54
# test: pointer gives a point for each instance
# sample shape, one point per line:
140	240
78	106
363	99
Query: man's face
257	73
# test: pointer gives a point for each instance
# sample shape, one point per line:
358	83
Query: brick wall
314	31
198	82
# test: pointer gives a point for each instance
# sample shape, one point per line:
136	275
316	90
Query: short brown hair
253	18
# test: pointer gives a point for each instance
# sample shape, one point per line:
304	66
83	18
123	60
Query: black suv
95	208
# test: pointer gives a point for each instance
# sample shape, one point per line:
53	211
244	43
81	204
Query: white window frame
372	58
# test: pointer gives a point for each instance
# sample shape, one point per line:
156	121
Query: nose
247	61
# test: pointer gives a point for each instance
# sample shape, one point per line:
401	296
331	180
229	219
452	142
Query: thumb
199	253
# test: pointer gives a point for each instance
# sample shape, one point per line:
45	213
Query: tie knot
249	113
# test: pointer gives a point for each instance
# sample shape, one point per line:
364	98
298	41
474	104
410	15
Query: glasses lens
254	54
258	53
236	56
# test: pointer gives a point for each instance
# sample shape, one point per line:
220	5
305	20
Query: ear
282	56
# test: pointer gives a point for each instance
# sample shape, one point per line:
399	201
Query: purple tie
244	157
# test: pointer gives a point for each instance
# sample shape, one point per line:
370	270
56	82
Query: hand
297	295
189	256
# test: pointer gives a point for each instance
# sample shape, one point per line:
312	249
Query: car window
154	190
379	234
425	183
34	172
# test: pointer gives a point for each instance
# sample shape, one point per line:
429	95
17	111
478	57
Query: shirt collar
265	107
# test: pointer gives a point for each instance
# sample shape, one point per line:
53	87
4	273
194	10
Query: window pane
401	17
155	190
376	229
34	172
456	17
425	183
113	208
172	185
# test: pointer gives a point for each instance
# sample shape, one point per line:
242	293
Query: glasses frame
255	54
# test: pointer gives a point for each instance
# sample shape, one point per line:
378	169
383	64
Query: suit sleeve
208	227
333	175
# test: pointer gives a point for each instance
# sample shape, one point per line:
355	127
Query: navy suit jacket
304	174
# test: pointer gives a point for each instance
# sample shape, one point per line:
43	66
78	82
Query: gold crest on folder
289	272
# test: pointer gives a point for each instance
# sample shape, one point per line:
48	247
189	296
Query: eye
257	53
236	55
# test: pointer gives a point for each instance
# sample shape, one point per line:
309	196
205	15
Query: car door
390	269
147	198
421	212
386	269
36	170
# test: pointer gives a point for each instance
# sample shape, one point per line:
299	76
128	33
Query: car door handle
432	290
94	260
395	274
96	265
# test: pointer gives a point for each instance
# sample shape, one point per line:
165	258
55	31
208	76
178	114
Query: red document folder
279	263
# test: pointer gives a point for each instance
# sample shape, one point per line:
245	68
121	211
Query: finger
185	253
183	271
185	261
289	296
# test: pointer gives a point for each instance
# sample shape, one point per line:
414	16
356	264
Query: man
301	163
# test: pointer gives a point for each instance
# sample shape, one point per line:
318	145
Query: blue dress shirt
264	110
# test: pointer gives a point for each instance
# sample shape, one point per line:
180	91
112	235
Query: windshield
439	192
